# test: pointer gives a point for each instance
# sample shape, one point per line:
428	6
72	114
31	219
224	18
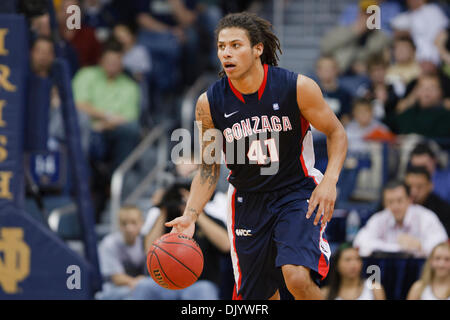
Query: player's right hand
184	224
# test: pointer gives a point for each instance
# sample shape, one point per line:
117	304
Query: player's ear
258	49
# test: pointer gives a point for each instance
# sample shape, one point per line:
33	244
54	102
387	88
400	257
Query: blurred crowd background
137	68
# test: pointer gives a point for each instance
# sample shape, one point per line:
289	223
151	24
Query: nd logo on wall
14	259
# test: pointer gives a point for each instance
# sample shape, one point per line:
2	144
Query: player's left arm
317	112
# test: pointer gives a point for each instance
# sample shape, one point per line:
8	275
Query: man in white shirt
401	226
423	21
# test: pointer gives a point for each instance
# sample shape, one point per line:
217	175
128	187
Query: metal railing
158	134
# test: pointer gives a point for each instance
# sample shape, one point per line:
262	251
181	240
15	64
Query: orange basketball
175	261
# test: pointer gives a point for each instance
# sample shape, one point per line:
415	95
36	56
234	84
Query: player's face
397	201
235	52
350	264
440	262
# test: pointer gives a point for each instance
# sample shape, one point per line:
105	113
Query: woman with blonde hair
434	283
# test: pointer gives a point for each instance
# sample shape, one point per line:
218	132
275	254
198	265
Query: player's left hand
323	197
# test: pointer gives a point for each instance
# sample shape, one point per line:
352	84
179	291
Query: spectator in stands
352	45
389	10
209	15
40	27
122	257
405	67
418	179
443	45
382	94
362	127
136	59
167	30
96	15
39	83
423	155
210	234
434	283
423	21
338	98
345	282
42	55
401	226
422	107
359	131
111	99
84	40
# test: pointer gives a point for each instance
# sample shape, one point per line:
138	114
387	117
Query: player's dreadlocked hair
259	31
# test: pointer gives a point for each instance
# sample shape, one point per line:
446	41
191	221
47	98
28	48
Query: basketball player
272	238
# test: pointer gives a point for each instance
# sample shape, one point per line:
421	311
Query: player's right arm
205	180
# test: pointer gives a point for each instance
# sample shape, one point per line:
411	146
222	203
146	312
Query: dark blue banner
13	70
36	264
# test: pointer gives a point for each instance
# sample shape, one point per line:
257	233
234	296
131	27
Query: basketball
175	261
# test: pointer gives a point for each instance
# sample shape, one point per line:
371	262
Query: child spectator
122	257
345	282
362	126
434	283
361	129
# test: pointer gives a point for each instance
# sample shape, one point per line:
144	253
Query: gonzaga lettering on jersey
264	129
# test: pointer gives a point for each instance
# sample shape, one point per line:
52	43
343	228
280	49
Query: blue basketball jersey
267	143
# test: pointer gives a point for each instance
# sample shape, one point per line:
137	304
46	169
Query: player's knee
297	278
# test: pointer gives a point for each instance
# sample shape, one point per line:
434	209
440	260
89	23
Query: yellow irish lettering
3	151
15	265
4	75
5	179
2	104
3	50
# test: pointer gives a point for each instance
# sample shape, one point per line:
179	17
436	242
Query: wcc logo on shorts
243	233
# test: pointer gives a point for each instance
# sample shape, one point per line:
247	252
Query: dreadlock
259	31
